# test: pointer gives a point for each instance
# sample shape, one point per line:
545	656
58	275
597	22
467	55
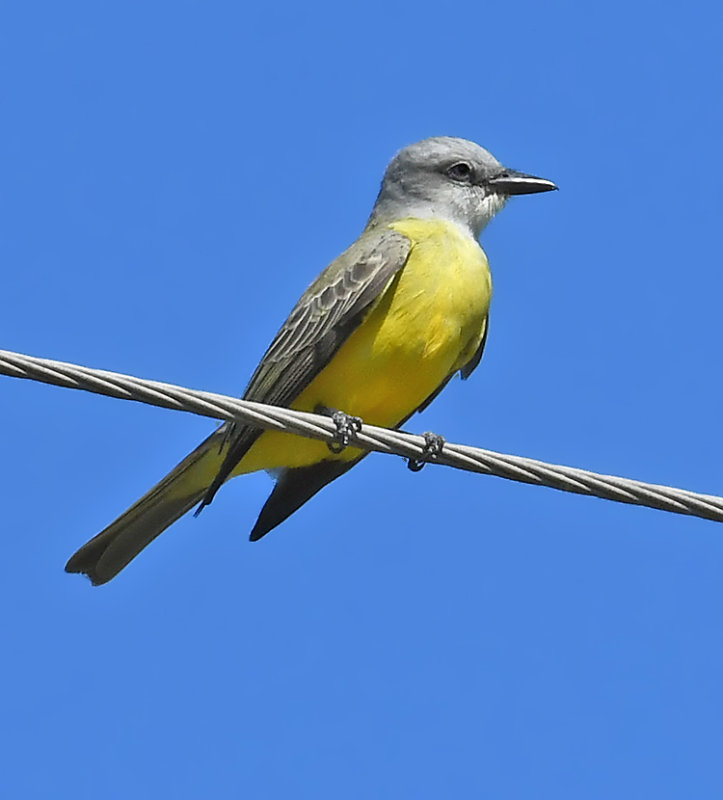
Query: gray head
452	179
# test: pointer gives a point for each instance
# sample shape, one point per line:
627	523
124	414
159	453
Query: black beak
511	182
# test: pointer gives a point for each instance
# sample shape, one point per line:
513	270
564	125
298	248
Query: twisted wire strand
382	440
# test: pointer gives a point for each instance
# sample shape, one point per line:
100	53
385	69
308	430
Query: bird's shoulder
377	248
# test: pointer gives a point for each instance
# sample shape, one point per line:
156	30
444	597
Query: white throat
471	219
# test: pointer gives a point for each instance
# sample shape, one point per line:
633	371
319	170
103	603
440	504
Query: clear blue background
173	175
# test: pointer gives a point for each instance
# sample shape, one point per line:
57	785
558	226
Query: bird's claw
346	427
433	445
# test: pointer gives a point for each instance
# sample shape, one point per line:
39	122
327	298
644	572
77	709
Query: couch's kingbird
377	335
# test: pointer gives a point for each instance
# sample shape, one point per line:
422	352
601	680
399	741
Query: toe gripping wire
433	445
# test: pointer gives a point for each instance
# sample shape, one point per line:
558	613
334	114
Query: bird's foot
346	428
433	445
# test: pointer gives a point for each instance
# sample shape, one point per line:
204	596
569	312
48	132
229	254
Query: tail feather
104	556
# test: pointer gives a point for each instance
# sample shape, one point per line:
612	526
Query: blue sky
174	175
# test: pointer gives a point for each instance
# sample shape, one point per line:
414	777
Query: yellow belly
426	325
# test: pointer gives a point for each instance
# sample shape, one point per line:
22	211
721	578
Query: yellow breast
426	325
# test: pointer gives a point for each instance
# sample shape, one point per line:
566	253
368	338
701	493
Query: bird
374	339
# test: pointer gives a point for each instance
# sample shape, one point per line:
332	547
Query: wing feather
323	319
472	364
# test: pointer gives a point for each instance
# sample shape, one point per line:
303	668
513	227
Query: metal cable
382	440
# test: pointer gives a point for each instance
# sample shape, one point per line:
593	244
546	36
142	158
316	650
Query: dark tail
104	556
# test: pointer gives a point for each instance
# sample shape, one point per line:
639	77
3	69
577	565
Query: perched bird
377	335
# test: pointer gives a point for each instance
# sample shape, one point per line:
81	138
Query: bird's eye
461	171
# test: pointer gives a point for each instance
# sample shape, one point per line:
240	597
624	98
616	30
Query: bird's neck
389	213
470	220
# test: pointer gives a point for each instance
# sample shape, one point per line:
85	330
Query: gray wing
471	365
323	319
327	313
